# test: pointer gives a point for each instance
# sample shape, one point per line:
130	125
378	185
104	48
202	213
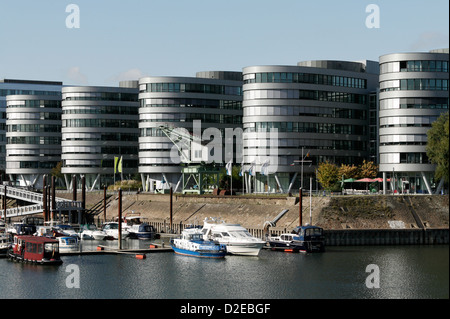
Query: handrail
26	195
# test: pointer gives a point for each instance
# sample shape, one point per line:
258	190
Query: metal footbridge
36	200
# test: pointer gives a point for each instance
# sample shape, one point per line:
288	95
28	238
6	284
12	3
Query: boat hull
44	261
141	235
201	254
244	249
304	247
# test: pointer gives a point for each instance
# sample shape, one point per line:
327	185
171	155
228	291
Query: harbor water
360	272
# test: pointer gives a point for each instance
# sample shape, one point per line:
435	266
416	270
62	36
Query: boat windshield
314	232
240	234
196	237
51	247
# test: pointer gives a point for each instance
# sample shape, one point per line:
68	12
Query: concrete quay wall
363	237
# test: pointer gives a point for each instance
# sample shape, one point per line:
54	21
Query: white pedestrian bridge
36	203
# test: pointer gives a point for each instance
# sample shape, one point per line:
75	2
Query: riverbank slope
329	212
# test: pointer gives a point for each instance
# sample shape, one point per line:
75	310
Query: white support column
384	183
279	184
178	183
441	184
426	183
292	182
95	182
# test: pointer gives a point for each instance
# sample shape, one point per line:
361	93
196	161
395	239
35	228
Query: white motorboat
237	238
68	244
5	242
90	231
45	231
66	230
193	244
112	229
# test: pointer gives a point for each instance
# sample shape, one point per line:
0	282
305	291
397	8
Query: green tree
368	169
328	176
438	146
348	171
56	171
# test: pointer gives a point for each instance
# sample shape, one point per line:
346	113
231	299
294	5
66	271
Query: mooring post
4	204
74	194
104	203
120	218
83	198
171	195
53	198
44	197
300	207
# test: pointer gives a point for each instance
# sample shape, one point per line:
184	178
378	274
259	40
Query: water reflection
405	272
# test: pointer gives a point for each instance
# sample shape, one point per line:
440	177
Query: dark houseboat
35	249
302	239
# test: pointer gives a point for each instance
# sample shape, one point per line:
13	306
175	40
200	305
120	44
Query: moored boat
112	230
35	249
68	244
306	238
237	238
90	231
192	243
5	242
141	231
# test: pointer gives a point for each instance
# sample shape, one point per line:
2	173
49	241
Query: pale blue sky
119	40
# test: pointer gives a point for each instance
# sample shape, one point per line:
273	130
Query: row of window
341	97
37	128
414	84
414	66
404	158
35	103
190	117
108	109
34	116
5	92
106	163
157	132
125	150
34	152
40	140
192	88
333	145
32	164
316	111
100	123
302	127
398	121
198	103
308	78
414	103
123	137
100	96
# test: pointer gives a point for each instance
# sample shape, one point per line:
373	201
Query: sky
125	40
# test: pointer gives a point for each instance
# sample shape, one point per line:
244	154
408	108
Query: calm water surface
406	272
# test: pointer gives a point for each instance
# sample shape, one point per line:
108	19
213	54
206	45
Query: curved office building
413	93
213	97
33	133
99	124
317	108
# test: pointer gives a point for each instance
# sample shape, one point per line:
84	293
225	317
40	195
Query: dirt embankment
336	212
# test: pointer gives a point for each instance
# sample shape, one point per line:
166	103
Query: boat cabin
309	232
36	249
